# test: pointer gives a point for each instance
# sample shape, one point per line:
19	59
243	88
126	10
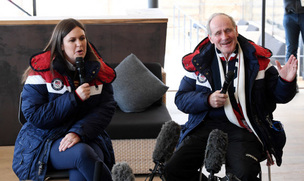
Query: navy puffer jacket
264	89
52	110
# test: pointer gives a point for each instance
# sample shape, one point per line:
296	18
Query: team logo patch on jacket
57	84
201	78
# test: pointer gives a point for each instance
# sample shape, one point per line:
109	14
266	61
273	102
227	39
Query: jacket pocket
26	150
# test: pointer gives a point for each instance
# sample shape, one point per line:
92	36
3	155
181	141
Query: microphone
80	69
215	152
228	79
122	172
164	147
166	141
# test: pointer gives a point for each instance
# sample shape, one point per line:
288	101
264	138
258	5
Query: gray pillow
136	87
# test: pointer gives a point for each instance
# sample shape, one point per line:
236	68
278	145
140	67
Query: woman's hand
289	71
68	141
84	91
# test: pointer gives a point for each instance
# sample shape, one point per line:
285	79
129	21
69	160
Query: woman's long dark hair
63	28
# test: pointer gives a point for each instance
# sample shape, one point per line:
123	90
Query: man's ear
210	39
237	33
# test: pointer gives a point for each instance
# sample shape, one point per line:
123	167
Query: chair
51	173
134	134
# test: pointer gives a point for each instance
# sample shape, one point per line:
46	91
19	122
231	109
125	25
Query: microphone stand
157	170
212	177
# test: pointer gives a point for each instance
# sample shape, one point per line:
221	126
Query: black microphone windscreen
228	79
166	141
80	68
216	150
79	62
122	171
229	76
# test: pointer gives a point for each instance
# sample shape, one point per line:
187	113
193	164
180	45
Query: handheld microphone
228	79
164	147
215	152
122	172
80	69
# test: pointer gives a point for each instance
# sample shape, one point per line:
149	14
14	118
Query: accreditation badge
201	78
57	84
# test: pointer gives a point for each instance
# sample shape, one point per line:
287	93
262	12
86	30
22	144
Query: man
241	112
293	24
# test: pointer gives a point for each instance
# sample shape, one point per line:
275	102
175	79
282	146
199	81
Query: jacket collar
199	59
40	62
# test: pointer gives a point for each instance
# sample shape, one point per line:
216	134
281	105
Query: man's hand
217	99
289	71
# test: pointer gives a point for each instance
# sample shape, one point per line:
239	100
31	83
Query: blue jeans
79	160
293	24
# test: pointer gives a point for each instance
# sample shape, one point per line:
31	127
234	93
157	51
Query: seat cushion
140	125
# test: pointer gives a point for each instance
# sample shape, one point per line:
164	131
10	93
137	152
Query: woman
66	121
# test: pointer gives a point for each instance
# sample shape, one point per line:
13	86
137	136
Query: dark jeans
293	24
79	160
243	150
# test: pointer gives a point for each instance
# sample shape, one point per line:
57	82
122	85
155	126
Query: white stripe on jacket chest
57	86
200	79
261	73
95	90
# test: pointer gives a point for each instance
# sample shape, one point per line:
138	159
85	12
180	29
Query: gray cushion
135	87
